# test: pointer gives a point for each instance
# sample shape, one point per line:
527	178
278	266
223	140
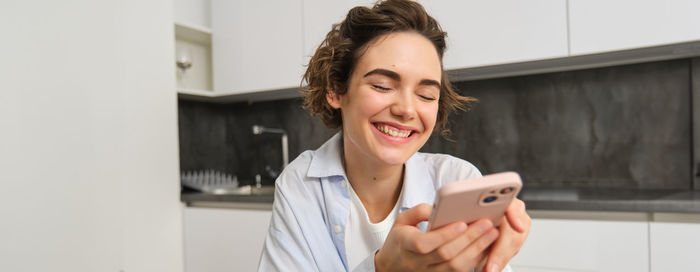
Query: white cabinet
479	32
319	17
502	31
265	45
257	45
584	245
192	12
674	246
224	239
603	25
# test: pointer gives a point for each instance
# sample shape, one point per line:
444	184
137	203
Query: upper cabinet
479	32
193	13
265	45
319	17
257	45
602	25
502	31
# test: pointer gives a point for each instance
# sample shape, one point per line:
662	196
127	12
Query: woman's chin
394	159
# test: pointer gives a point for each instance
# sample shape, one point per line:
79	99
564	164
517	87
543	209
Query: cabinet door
224	239
319	17
674	246
604	25
500	31
256	45
192	12
584	245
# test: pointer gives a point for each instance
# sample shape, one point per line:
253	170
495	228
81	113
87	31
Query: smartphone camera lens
490	199
507	190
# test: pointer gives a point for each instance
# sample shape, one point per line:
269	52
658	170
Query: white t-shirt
363	238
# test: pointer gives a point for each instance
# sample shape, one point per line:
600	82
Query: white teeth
389	131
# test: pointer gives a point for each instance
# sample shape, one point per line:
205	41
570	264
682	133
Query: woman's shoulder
445	160
446	168
295	172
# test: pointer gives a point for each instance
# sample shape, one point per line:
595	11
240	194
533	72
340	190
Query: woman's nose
403	107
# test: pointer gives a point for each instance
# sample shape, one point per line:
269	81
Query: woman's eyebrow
430	82
395	76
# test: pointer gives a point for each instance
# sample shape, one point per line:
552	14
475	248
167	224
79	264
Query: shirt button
337	229
343	184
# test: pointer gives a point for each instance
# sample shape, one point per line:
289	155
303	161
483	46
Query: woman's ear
333	99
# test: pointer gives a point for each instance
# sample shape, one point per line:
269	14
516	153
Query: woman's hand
454	247
514	231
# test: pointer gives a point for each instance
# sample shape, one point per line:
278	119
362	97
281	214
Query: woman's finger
415	215
470	256
507	245
452	248
426	243
517	216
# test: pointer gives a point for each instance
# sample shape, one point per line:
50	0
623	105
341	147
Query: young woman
357	201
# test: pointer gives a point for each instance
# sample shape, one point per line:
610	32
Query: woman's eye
381	88
427	98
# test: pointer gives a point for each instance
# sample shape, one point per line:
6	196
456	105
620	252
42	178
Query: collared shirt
312	205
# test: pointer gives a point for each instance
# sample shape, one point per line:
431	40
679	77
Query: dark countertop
621	200
193	197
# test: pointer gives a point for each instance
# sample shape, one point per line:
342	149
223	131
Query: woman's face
391	105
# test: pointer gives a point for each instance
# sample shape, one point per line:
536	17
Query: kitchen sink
246	190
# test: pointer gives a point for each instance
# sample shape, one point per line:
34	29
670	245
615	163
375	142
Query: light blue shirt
312	206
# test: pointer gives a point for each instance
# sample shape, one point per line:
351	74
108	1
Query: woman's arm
285	248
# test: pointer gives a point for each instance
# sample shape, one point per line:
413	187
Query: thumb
415	215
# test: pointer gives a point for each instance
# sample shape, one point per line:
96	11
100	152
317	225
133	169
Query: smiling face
391	105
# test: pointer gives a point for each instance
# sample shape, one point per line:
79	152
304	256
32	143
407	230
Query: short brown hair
330	67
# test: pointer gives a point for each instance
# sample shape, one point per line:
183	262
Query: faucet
257	130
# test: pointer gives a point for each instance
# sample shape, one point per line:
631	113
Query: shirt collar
328	159
418	186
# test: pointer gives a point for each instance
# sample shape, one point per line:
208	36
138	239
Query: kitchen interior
163	156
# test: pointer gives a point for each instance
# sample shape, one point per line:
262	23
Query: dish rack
210	181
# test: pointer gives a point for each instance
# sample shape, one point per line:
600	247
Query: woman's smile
394	132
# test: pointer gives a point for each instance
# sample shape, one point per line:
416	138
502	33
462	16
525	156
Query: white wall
88	137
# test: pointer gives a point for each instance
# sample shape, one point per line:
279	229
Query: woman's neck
378	185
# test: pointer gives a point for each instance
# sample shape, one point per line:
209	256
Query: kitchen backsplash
615	127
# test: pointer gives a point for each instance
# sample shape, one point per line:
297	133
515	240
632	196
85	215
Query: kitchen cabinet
256	45
601	25
319	16
479	32
505	31
222	239
196	13
584	245
675	245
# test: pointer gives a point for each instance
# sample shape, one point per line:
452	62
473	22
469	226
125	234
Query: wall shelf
194	33
231	97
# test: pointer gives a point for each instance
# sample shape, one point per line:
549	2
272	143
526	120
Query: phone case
472	199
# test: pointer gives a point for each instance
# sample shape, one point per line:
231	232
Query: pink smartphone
472	199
